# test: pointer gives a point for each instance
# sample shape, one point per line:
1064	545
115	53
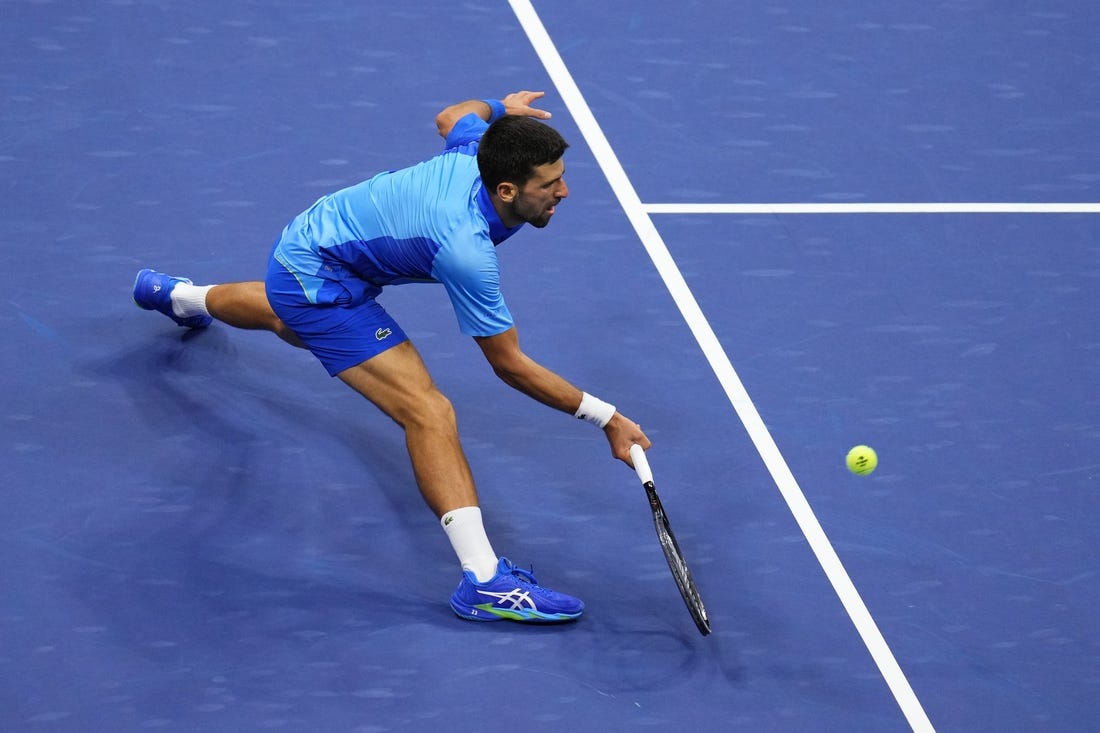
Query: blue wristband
497	108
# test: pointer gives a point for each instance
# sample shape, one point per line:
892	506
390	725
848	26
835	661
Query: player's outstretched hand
622	432
519	104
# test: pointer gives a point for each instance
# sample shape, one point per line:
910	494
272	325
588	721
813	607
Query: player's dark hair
513	146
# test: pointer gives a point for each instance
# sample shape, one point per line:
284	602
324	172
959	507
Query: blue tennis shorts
345	329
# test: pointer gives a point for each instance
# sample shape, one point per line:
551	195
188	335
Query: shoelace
526	576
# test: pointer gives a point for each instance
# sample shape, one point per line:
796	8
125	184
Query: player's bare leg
244	305
397	381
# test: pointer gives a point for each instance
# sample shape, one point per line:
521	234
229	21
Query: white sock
467	535
189	300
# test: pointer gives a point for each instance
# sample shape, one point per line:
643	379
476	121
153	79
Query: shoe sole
488	613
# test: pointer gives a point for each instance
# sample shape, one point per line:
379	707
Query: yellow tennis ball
862	460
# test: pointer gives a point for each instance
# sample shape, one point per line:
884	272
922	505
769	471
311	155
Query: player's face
535	202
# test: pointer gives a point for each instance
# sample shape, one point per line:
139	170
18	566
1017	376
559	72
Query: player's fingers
540	113
622	451
523	101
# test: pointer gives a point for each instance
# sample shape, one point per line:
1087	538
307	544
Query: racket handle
641	463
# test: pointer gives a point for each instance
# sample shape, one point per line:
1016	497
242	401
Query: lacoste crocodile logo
382	333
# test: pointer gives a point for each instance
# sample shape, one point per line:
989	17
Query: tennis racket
671	549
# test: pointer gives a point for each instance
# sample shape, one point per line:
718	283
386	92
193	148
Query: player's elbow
510	369
445	121
505	357
510	376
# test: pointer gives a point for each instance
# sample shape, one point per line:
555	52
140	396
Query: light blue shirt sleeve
468	129
471	275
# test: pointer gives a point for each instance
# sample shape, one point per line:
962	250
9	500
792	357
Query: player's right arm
516	103
520	371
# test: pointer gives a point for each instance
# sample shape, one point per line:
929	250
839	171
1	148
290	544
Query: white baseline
722	367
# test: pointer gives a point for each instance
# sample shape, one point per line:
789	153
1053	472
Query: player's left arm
520	371
516	103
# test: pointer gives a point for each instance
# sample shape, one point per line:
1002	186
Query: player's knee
430	410
440	410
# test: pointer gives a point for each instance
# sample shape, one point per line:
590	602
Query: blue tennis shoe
513	595
153	292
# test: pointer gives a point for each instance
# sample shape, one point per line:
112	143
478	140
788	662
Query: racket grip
641	463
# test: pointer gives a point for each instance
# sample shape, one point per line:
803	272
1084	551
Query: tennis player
437	221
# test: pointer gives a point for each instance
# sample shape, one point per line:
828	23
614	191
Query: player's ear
507	191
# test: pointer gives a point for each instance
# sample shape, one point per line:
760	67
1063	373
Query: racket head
676	563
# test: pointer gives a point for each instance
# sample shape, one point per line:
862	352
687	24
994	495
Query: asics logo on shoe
382	333
516	597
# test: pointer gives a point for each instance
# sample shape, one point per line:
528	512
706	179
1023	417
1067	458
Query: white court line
722	367
868	208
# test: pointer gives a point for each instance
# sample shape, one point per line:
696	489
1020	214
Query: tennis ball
862	460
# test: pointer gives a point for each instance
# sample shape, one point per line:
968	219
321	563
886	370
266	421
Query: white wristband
594	410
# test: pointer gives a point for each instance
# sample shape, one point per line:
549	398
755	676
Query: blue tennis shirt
431	222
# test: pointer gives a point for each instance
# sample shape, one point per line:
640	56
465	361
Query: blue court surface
792	228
